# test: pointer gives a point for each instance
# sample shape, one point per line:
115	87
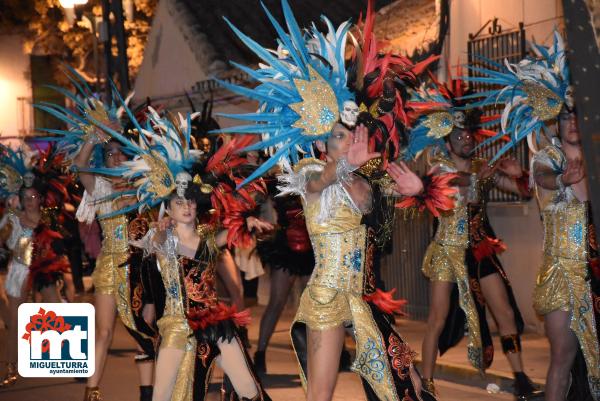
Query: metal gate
402	268
496	45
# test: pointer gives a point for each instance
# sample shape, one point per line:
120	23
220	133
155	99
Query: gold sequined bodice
339	247
453	227
344	219
340	260
115	237
566	231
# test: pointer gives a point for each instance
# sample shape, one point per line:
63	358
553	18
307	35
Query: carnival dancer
568	283
196	329
38	256
227	269
117	276
537	92
302	90
461	262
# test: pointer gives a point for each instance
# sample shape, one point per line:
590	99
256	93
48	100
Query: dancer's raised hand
407	182
359	154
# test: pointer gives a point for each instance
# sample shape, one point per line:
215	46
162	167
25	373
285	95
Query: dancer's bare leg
281	284
12	332
167	366
12	335
69	287
146	369
438	311
563	348
324	349
232	278
496	298
233	362
106	312
51	293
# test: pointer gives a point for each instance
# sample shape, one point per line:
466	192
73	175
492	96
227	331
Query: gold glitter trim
12	179
318	109
307	161
371	167
161	179
440	124
539	98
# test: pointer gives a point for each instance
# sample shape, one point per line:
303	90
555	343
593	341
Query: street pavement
282	383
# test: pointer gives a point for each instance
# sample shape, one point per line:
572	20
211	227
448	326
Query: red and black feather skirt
210	319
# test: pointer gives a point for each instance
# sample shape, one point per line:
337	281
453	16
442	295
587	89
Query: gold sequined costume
334	294
193	319
449	258
19	242
563	281
113	273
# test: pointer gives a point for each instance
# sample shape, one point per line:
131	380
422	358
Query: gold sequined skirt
323	308
562	285
174	331
442	262
103	276
447	263
554	278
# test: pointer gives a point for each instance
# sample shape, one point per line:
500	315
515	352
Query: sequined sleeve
293	180
16	230
553	158
148	245
94	203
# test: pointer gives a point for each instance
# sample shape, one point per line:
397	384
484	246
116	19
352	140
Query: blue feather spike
285	40
250	93
267	165
295	31
257	49
132	118
77	80
258	117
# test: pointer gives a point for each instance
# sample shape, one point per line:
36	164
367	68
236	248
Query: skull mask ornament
182	180
459	118
349	113
28	179
570	97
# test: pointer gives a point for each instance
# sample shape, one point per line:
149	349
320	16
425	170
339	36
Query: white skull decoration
28	179
570	97
349	113
182	180
458	118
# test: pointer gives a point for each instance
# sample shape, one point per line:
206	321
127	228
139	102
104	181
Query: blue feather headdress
301	89
162	154
439	108
15	170
89	112
533	92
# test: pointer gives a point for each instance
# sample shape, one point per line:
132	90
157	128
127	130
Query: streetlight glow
72	3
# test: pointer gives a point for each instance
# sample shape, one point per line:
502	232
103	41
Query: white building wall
467	16
15	87
169	67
